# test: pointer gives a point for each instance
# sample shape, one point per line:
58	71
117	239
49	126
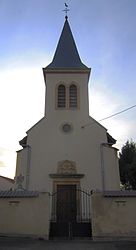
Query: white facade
82	156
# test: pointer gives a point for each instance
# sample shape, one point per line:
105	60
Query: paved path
7	243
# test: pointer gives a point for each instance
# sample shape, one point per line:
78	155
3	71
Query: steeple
66	80
66	55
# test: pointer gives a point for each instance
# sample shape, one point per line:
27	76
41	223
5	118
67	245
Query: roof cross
66	10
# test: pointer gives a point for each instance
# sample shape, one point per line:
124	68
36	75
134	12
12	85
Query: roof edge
7	178
66	70
35	125
94	122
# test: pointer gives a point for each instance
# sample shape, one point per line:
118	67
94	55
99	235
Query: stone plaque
66	167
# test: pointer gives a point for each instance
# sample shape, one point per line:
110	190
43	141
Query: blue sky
105	34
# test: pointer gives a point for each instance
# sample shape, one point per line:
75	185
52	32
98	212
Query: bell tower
66	79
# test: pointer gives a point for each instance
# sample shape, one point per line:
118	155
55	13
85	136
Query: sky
105	35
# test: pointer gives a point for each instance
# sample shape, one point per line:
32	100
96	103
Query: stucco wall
110	168
49	144
113	216
52	80
23	162
25	216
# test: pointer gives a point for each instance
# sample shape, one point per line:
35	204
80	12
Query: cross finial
66	10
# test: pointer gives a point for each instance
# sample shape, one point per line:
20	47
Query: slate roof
18	194
66	55
23	142
110	139
124	193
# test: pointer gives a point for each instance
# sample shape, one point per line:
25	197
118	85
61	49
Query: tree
127	165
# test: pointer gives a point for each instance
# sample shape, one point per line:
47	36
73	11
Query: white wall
52	80
22	165
25	216
113	217
49	144
110	168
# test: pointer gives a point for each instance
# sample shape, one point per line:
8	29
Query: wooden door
66	203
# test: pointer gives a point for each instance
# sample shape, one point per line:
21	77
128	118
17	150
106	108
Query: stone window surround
67	86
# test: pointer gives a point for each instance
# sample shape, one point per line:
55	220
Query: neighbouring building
6	183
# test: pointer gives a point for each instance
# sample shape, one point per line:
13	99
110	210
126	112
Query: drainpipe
102	163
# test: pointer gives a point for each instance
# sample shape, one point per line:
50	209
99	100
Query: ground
7	243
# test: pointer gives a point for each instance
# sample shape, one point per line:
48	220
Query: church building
60	154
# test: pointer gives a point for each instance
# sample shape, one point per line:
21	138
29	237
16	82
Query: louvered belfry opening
73	96
61	96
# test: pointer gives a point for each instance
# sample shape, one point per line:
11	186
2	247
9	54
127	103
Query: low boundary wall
27	215
114	215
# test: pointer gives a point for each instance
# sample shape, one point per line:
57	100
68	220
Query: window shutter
61	96
73	96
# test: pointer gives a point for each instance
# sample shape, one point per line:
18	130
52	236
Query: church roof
18	194
7	179
110	139
66	55
124	193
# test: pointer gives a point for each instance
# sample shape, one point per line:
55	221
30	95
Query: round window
66	127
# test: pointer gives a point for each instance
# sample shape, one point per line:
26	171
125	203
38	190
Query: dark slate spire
66	55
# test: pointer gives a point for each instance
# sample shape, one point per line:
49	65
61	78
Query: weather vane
66	10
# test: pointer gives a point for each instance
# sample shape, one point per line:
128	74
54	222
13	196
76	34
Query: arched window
61	96
73	96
